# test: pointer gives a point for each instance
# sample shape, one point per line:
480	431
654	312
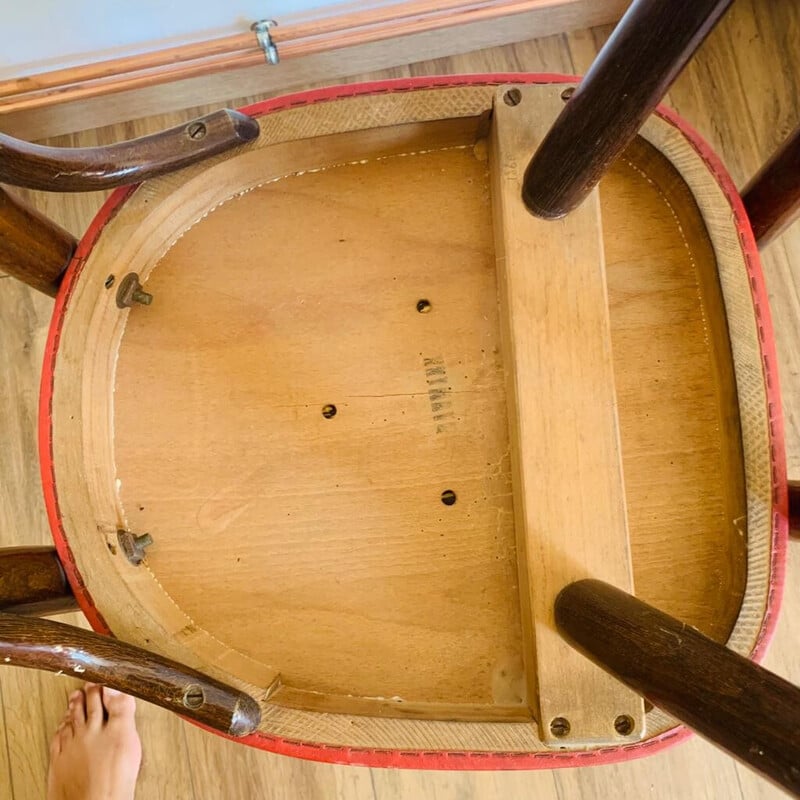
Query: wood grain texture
177	66
738	705
293	40
567	462
55	647
772	198
88	169
32	248
325	67
741	91
649	47
664	262
32	581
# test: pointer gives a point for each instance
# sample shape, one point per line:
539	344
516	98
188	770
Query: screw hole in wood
329	411
109	282
423	306
624	725
567	93
449	497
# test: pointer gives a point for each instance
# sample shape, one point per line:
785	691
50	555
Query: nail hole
329	411
513	97
193	696
567	93
109	281
559	726
423	306
449	497
624	725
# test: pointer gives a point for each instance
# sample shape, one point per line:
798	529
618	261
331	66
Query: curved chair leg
55	647
32	581
86	169
36	250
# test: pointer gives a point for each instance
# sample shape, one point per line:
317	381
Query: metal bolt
133	545
196	130
559	727
130	291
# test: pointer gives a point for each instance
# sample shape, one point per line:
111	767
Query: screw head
196	130
559	727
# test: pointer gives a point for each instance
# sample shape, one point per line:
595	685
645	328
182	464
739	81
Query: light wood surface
240	51
741	92
308	518
566	457
354	50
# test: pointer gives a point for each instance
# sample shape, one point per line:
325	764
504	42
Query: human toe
94	705
118	704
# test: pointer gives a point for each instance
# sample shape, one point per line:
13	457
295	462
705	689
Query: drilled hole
423	306
109	281
329	411
449	497
567	93
559	726
193	697
624	725
513	97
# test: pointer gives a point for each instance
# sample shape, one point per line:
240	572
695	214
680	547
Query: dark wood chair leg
44	644
794	508
36	250
648	49
741	707
32	248
85	169
772	198
32	582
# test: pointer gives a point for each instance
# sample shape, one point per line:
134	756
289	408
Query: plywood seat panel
310	557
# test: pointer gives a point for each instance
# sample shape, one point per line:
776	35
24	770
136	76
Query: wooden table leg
648	49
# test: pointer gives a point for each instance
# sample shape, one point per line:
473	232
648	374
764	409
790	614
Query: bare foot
95	753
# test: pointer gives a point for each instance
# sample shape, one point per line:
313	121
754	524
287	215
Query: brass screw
559	727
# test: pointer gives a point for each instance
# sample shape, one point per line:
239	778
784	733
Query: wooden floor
742	92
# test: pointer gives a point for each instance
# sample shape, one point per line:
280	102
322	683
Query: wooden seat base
310	420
